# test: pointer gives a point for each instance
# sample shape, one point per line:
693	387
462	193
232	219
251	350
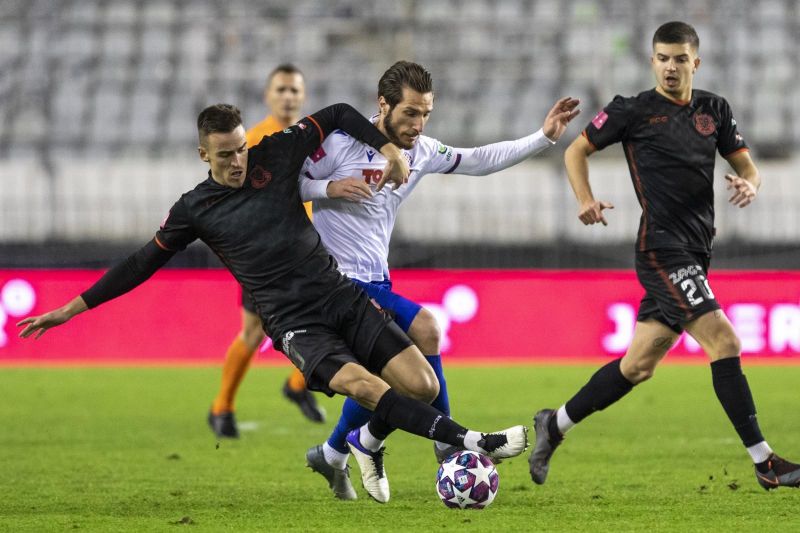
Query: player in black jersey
250	214
670	136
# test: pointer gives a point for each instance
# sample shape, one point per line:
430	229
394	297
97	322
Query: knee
428	388
638	371
426	332
410	374
726	345
364	390
422	386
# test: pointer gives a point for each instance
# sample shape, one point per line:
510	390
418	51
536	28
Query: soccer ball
467	480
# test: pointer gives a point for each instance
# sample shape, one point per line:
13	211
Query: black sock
552	428
605	387
378	427
397	411
733	393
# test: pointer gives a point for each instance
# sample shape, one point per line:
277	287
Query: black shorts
247	302
351	330
677	290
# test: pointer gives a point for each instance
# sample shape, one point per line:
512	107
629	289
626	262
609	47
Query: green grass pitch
128	449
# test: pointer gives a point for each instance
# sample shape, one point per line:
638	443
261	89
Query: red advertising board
190	316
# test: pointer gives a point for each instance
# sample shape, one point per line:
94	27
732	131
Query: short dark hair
218	118
676	32
284	68
404	74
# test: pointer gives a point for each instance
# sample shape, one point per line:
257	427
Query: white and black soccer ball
467	480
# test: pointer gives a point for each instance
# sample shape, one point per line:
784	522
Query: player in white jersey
355	223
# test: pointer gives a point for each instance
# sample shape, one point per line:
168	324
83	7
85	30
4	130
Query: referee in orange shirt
284	96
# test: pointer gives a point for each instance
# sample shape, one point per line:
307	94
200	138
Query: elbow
575	152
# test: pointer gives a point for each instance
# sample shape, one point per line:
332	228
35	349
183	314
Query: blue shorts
401	309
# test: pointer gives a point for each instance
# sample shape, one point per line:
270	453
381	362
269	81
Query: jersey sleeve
305	137
314	176
438	158
127	275
321	165
176	232
610	124
489	158
729	140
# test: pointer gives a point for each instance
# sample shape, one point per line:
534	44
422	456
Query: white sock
334	457
441	445
759	452
563	420
471	441
368	440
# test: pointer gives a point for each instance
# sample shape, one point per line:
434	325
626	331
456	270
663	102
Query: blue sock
353	416
442	402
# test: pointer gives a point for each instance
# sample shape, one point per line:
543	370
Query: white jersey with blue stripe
357	233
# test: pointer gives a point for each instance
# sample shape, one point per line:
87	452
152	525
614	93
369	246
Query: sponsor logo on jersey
600	119
660	119
301	125
372	175
442	148
704	124
319	154
287	130
370	155
259	177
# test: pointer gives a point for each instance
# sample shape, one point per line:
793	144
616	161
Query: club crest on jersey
259	177
704	124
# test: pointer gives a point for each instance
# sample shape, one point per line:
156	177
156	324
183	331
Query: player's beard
391	133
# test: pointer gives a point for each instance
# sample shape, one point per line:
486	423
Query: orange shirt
268	126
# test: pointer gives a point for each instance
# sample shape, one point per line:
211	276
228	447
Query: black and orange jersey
670	148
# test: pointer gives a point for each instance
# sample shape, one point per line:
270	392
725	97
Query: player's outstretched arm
576	160
494	157
123	277
38	325
559	117
746	182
